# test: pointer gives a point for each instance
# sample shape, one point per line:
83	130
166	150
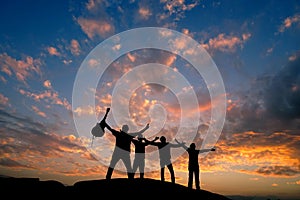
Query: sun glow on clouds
259	147
259	152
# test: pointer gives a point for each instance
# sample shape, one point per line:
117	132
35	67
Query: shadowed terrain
119	187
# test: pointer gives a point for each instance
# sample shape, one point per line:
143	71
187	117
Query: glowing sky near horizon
254	44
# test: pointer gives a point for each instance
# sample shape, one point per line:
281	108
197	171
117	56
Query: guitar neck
106	113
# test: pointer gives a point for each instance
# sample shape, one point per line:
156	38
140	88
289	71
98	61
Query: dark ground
121	188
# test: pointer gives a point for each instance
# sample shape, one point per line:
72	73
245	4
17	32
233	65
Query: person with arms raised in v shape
193	165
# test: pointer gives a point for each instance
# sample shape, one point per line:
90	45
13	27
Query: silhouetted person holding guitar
98	129
122	149
164	149
139	157
193	166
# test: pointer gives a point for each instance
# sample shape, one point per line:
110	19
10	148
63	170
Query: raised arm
149	141
109	128
206	150
152	142
106	113
181	144
103	122
140	132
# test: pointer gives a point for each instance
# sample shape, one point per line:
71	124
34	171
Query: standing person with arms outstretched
193	166
164	149
139	155
122	149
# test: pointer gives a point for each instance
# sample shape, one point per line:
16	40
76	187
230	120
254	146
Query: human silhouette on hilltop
193	165
164	149
139	157
122	149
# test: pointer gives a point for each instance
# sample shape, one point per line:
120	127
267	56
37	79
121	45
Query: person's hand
147	126
181	143
156	138
213	149
107	109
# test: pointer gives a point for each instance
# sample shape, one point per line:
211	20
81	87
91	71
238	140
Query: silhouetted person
164	149
98	129
139	156
122	149
193	166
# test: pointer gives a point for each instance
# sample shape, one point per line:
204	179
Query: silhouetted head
163	139
125	128
193	146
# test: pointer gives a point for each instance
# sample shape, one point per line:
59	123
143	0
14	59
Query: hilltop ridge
139	188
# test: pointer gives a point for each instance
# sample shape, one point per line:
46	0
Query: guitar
98	129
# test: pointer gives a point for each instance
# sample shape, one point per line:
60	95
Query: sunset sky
48	48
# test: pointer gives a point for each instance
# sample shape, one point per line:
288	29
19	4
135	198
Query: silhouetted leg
197	179
141	175
130	175
190	181
127	163
115	158
170	167
109	173
134	167
142	167
162	174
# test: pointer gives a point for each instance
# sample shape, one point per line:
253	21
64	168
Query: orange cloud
273	155
226	43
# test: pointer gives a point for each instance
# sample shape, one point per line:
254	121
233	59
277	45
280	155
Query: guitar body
97	130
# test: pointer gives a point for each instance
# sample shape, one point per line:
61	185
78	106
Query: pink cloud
47	84
144	13
289	21
53	51
3	100
22	69
131	57
178	6
38	112
75	47
226	43
48	96
93	27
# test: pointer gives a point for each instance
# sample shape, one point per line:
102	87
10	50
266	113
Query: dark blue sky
254	45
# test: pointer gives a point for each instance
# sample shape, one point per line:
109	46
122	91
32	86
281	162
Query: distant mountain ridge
118	187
